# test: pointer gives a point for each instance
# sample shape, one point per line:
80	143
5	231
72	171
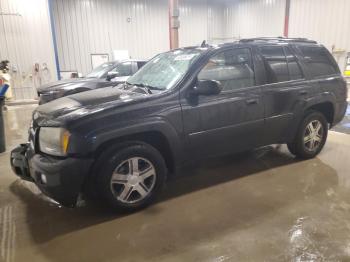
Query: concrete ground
259	206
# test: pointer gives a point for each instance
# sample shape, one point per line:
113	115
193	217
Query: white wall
252	18
194	22
325	21
26	38
84	27
99	26
200	20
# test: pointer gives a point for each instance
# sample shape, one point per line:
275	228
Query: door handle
303	92
251	101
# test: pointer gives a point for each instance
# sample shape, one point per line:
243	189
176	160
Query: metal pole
54	40
174	23
286	19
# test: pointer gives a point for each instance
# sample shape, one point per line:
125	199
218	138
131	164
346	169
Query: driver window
124	69
232	68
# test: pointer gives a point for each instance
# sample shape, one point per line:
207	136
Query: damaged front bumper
19	162
59	178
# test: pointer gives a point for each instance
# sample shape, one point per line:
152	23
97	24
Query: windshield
99	71
165	70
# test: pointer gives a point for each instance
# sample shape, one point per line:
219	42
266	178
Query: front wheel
311	136
130	178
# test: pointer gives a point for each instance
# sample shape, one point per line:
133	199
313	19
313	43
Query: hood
68	84
82	104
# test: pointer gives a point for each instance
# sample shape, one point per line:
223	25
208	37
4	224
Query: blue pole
4	89
54	40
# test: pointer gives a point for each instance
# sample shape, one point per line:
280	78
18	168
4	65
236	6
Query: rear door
232	120
284	92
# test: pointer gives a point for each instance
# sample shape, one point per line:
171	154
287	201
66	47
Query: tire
127	166
311	136
291	148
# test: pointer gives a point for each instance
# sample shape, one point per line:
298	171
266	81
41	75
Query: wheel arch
154	138
326	108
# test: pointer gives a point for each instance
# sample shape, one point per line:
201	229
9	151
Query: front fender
100	136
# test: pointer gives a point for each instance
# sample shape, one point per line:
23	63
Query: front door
231	121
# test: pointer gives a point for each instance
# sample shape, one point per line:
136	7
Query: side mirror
111	75
207	88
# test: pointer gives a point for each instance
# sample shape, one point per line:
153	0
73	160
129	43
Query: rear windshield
319	61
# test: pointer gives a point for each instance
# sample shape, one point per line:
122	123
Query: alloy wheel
313	135
133	180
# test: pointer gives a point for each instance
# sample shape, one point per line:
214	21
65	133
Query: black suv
183	105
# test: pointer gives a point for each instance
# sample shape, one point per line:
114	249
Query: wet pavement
258	206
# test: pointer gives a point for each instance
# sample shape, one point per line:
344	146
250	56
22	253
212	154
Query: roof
278	40
257	41
128	60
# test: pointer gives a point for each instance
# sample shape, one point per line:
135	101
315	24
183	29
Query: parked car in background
184	105
107	74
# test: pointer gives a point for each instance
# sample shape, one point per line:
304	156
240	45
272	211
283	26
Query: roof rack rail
279	39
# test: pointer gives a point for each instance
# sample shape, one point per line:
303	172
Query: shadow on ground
200	176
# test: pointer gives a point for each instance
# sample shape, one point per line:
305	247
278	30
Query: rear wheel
311	136
129	178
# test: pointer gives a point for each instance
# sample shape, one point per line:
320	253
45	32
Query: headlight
54	141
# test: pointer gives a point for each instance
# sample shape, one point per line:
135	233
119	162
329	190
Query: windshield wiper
147	87
126	84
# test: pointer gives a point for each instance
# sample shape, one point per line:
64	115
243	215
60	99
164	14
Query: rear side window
318	61
232	68
295	72
275	64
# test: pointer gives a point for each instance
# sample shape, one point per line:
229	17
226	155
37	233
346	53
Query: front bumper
60	179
